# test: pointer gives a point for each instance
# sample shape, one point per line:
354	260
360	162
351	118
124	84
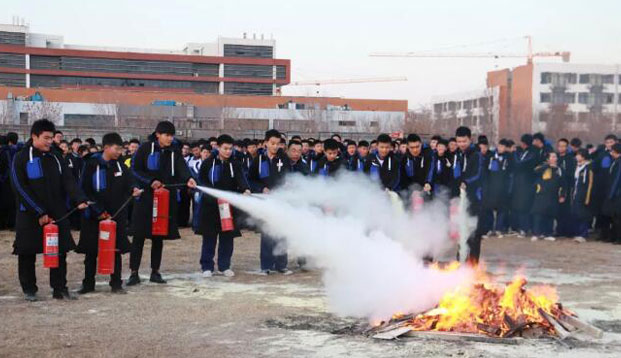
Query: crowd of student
528	188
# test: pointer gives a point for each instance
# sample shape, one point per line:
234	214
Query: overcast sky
332	39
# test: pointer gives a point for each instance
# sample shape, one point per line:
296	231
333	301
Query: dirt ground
281	316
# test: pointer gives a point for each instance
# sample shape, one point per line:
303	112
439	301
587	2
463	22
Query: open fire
485	307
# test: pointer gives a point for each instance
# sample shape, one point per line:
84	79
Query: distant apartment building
549	97
231	85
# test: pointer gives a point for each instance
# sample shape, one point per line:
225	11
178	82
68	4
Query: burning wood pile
485	309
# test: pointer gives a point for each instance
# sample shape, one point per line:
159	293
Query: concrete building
550	97
205	88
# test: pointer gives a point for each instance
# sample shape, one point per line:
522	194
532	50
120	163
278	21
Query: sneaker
579	239
499	235
534	238
521	234
133	279
263	272
31	297
85	289
207	274
286	272
63	294
549	238
157	278
119	290
228	273
484	236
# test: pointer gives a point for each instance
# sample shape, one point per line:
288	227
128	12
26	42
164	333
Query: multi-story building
551	97
232	86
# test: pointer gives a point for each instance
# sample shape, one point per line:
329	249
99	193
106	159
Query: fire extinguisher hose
68	214
122	207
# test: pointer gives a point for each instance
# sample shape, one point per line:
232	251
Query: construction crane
565	55
346	81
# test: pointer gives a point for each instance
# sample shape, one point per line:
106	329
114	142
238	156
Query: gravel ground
281	316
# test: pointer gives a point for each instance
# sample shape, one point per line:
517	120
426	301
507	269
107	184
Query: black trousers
183	217
225	242
136	254
90	269
616	228
28	277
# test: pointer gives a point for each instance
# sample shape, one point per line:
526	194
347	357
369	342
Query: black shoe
118	290
63	294
31	297
157	278
85	289
133	279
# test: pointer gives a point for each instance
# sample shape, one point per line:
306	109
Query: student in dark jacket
567	163
550	189
602	161
266	173
581	195
7	199
415	165
471	165
224	173
441	168
525	160
612	201
106	181
383	165
41	182
297	163
331	161
157	163
497	188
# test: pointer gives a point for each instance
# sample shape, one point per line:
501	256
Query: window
545	97
608	79
264	89
374	124
248	51
437	108
585	78
583	97
12	79
248	71
546	77
11	60
609	98
572	78
23	118
347	123
69	81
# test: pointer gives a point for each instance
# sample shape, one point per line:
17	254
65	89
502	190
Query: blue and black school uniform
612	201
268	173
497	190
75	164
7	200
385	170
108	184
440	173
581	200
223	175
564	227
549	188
152	162
523	190
326	168
601	164
414	171
41	182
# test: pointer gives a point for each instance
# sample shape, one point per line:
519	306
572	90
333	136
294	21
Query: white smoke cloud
369	247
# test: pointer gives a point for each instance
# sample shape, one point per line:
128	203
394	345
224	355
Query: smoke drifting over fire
369	246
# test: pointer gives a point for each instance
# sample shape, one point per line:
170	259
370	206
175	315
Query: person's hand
44	220
83	206
266	190
246	192
561	199
136	192
427	187
156	184
191	183
104	216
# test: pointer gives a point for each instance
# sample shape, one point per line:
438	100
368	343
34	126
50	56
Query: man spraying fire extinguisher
160	170
216	216
107	183
42	182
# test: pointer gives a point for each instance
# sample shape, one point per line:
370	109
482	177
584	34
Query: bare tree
38	110
5	116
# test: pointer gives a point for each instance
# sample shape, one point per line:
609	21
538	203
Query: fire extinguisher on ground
50	245
226	216
159	224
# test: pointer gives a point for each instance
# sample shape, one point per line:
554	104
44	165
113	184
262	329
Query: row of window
12	38
583	98
263	89
12	80
482	102
12	60
69	81
248	51
562	78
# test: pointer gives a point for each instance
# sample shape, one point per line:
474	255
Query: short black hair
90	142
616	148
330	144
611	136
296	137
272	133
195	145
463	132
413	138
335	135
12	137
294	142
225	139
57	132
583	153
283	140
452	139
165	127
576	142
504	142
212	139
350	142
42	125
363	143
305	141
374	141
384	138
539	136
563	140
483	140
527	139
111	139
442	141
134	140
436	137
76	140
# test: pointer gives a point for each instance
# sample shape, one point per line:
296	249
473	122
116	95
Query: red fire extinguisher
159	225
417	201
226	217
453	217
50	246
107	247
